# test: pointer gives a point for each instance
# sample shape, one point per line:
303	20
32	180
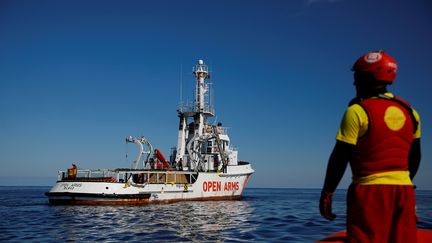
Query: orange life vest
72	172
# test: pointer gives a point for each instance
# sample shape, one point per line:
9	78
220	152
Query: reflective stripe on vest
384	178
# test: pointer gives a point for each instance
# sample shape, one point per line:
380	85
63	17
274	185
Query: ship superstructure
203	165
204	147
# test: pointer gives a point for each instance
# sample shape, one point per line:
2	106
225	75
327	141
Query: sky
78	77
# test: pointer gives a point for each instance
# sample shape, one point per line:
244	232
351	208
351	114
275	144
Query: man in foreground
380	137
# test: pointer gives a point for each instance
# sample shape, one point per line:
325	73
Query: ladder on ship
221	151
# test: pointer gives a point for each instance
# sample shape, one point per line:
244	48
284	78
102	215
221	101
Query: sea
263	215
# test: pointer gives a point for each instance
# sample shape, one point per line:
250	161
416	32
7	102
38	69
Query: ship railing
220	130
141	177
102	174
192	107
233	148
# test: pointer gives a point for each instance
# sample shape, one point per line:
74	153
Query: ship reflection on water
184	221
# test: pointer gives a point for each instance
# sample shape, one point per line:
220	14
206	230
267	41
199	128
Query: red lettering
214	186
231	186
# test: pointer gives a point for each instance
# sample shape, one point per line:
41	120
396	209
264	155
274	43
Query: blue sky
77	77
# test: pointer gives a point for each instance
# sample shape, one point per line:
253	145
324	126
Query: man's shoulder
355	108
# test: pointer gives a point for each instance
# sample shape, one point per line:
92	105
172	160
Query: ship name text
71	186
216	186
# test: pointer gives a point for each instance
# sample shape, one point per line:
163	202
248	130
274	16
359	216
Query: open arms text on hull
203	166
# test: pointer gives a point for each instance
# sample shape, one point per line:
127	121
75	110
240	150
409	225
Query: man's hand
325	205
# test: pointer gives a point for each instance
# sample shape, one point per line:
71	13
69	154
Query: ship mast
201	74
199	111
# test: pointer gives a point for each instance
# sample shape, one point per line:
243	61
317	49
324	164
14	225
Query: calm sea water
263	215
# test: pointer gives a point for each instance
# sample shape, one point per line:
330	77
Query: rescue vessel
203	166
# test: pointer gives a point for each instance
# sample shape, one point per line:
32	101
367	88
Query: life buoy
185	187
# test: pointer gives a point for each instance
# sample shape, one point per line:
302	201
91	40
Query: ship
203	166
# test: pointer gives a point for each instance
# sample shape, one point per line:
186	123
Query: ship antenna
126	151
181	84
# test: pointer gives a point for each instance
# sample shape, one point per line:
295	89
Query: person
216	163
180	164
72	172
379	137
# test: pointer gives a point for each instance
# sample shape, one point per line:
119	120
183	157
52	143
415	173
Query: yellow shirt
355	123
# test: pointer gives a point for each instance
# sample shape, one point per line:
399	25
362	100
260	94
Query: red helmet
382	66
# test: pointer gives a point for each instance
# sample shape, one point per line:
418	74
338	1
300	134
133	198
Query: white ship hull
208	186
